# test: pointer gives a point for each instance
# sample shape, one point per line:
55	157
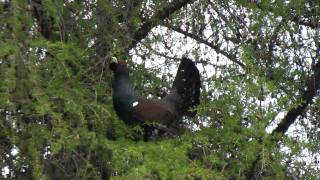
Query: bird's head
118	66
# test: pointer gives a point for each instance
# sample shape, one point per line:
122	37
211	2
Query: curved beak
114	59
113	63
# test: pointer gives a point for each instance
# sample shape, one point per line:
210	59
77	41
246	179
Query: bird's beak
113	64
114	60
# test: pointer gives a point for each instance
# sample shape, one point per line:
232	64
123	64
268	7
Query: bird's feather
184	95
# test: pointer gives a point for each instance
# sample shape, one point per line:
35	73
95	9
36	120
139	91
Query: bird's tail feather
187	84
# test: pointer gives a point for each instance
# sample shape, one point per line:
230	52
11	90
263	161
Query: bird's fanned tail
187	85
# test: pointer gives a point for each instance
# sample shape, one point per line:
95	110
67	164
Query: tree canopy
259	115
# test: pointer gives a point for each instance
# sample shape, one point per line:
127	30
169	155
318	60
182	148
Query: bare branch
232	57
160	15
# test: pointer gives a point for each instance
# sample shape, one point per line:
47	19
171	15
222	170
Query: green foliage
56	114
164	159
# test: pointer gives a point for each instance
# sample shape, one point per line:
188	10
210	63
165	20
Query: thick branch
232	57
131	7
160	15
312	86
309	94
43	19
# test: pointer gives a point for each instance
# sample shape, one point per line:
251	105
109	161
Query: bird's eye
113	66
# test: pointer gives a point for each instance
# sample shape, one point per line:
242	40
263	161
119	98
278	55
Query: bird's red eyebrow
122	62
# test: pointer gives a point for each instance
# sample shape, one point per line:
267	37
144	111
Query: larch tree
259	115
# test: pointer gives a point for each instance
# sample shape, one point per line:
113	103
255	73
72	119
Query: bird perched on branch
183	96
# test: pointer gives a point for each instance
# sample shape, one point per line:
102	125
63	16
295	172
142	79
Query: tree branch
295	18
43	19
308	95
160	15
232	57
103	34
272	43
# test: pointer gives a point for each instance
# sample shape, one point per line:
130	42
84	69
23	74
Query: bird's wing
151	110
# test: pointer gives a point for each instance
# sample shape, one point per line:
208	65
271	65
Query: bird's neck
123	93
123	103
122	86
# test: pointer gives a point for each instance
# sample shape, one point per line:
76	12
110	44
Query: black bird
183	96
